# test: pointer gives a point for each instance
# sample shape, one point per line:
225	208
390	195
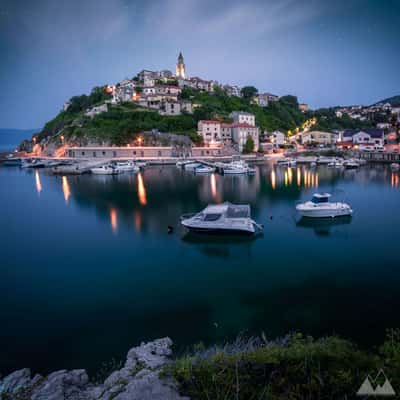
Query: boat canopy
321	197
230	210
238	211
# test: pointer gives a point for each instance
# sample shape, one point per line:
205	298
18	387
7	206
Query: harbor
117	228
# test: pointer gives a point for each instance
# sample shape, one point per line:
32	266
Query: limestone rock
137	380
152	355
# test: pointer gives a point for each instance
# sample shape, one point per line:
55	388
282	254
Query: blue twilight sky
325	52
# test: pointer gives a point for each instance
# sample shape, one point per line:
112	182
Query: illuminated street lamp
140	141
62	138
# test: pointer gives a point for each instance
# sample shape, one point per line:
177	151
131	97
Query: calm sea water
88	269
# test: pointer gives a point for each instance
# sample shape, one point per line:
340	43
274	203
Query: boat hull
325	213
219	231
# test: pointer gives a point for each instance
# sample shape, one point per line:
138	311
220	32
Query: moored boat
33	163
287	161
226	218
125	166
12	161
321	207
105	169
395	166
204	169
351	164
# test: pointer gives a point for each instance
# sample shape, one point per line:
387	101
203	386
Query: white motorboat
235	170
313	164
286	161
33	163
105	170
321	207
192	166
395	166
337	163
12	161
351	164
223	218
140	164
325	160
204	169
126	166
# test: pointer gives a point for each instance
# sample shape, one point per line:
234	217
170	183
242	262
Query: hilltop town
195	116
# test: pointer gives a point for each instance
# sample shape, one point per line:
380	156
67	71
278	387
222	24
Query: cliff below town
292	367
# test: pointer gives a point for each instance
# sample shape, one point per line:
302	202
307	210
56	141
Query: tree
249	145
248	92
289	100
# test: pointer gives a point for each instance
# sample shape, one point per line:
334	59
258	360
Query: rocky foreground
139	379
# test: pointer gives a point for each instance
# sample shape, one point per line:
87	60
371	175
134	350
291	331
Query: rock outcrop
139	379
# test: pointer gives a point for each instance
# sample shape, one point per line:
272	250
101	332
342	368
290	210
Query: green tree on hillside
248	92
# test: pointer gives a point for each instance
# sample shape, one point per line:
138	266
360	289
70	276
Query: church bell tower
180	71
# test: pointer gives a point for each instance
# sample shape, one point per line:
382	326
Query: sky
325	52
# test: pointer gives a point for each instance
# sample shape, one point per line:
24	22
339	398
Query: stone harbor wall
138	380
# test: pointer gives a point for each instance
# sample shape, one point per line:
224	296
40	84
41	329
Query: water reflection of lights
113	219
141	190
290	175
137	219
395	180
37	180
213	184
286	178
298	177
273	179
65	188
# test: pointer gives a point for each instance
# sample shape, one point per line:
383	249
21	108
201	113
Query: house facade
241	131
319	137
365	139
210	131
243	117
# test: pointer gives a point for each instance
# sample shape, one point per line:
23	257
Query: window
83	153
134	152
94	154
142	153
114	154
159	153
104	153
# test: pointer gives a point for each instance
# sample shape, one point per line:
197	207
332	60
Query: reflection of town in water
156	197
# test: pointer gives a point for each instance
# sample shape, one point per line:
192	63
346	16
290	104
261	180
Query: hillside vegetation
122	123
393	101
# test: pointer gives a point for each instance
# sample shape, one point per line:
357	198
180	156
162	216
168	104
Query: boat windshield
238	211
320	199
211	217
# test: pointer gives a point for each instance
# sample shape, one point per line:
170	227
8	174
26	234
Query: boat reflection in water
323	226
221	246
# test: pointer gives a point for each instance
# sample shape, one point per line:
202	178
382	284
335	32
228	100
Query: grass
295	367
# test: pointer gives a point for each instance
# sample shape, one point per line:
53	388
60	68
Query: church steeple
180	67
